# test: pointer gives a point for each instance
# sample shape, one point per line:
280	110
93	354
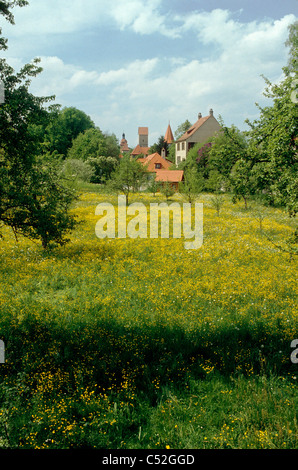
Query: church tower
143	136
169	138
123	145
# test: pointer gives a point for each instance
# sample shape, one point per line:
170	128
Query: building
173	177
200	132
159	165
143	146
123	145
169	138
155	162
143	136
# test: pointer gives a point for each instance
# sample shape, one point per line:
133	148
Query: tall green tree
90	143
273	136
159	146
129	176
65	128
33	200
192	185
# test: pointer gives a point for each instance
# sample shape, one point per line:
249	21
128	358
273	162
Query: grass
143	344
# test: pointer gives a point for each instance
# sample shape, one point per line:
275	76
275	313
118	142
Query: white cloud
68	16
134	72
225	75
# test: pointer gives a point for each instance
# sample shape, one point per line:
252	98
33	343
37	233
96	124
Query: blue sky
131	63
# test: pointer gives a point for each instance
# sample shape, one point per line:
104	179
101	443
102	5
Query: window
157	166
183	145
178	146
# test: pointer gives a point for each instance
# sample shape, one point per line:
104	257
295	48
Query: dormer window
157	166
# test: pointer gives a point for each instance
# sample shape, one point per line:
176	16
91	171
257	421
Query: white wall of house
207	130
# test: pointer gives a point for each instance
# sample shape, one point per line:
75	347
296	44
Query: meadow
142	344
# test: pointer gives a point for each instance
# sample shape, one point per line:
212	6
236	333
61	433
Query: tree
159	146
112	145
37	207
90	143
102	168
129	176
153	186
273	136
33	201
242	181
182	128
292	43
192	185
167	190
5	10
65	127
227	148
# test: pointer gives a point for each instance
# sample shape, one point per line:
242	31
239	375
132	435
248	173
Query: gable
204	128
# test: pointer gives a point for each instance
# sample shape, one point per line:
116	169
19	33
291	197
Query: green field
143	344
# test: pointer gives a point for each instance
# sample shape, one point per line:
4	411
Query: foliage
182	128
66	127
153	185
129	176
167	190
171	155
33	200
102	167
159	145
5	10
273	147
227	148
241	181
192	185
217	201
292	43
112	145
77	169
90	143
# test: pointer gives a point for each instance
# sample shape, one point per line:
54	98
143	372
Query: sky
148	63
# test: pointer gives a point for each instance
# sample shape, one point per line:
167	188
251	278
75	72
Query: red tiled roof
154	158
143	130
193	128
169	135
172	176
138	150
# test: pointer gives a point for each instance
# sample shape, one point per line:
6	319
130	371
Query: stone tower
143	136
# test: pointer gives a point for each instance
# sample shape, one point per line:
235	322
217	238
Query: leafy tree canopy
65	127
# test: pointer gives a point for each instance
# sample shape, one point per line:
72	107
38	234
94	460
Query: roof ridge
194	127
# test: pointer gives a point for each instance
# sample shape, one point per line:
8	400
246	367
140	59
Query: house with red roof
173	177
205	128
159	165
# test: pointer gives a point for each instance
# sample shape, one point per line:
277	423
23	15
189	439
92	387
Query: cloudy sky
131	63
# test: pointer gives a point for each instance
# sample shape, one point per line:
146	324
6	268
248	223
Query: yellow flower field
101	328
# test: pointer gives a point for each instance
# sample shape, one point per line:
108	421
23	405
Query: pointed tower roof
169	135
